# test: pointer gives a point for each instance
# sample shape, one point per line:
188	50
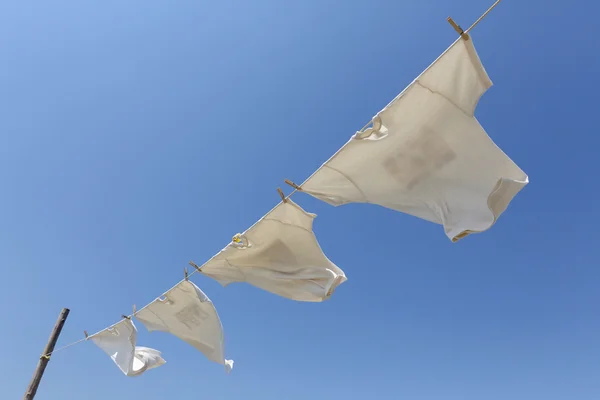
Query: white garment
186	312
426	154
279	254
119	341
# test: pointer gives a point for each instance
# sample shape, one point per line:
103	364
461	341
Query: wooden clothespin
292	184
134	309
125	316
458	29
282	195
193	264
86	335
185	274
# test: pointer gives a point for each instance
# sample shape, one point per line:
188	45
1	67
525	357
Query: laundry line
296	188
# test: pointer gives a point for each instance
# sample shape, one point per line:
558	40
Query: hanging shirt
186	312
281	255
119	342
426	154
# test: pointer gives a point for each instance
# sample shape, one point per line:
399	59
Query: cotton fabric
186	312
426	154
279	254
119	342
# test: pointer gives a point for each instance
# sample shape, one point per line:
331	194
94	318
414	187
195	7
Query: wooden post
41	367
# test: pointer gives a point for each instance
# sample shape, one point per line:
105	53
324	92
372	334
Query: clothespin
292	184
185	274
125	316
282	195
458	29
193	264
134	308
86	335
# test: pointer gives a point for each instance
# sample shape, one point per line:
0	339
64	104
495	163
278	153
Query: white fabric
279	254
119	341
426	154
186	312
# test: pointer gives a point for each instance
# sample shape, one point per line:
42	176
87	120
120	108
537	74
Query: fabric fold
426	155
119	342
186	312
279	254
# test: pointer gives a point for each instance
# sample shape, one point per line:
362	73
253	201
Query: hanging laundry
426	154
281	255
119	342
186	312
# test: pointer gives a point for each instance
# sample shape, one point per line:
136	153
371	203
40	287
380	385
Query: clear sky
138	135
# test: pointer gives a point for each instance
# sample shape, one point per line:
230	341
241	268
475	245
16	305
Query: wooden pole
45	358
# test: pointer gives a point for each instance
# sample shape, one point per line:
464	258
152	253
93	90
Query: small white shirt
119	342
279	254
186	312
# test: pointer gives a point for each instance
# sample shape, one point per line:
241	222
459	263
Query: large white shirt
119	342
279	254
426	154
186	312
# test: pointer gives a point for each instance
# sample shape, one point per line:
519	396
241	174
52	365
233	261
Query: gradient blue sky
138	135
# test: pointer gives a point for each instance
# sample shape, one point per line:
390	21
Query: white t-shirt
119	342
281	255
186	312
426	154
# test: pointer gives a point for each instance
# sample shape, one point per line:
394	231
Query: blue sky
136	136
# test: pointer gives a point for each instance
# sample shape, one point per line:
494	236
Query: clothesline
196	268
296	188
47	355
483	16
